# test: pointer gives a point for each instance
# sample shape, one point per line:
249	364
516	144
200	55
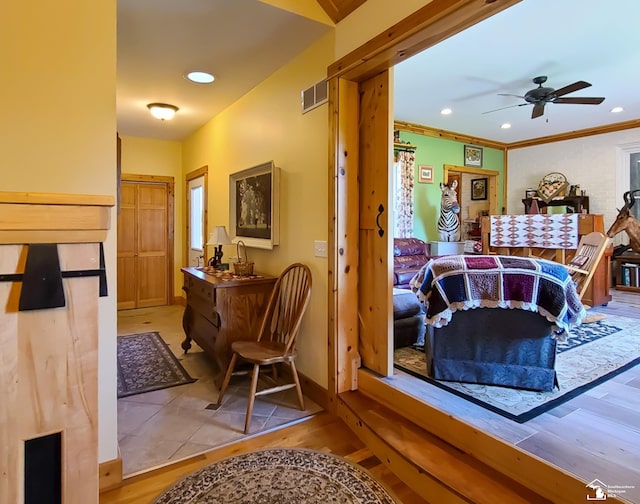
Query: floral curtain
403	194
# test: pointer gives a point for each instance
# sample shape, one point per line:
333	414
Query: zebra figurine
448	223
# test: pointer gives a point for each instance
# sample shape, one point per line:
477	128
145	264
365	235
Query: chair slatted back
287	304
584	263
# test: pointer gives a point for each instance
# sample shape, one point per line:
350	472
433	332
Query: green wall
438	152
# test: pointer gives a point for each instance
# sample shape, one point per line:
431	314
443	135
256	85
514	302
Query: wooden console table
221	310
578	203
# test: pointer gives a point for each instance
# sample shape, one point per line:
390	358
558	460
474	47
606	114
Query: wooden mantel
51	275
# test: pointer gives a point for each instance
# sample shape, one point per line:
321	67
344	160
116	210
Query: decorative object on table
425	174
218	237
479	188
473	156
533	208
530	193
279	475
448	222
145	363
242	267
552	184
254	202
626	221
592	355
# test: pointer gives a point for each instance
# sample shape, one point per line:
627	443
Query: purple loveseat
409	255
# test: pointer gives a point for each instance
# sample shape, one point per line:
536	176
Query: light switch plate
320	248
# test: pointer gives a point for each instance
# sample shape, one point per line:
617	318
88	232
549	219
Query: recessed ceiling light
615	110
446	111
505	126
200	77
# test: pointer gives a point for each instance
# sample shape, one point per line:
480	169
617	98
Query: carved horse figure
625	221
448	223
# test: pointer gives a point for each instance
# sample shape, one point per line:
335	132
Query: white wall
590	162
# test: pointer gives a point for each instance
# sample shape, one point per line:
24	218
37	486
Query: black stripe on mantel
42	279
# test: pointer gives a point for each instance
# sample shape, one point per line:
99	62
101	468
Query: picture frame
254	206
473	156
425	174
479	188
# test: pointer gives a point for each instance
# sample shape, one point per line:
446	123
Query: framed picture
472	156
254	197
425	174
479	188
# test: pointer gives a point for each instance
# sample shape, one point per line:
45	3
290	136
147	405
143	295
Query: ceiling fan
540	96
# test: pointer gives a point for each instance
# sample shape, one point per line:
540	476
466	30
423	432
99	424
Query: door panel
143	252
375	288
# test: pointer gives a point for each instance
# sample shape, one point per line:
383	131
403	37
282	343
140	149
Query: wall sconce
162	111
218	237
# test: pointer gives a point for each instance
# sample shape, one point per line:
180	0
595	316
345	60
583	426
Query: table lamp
218	237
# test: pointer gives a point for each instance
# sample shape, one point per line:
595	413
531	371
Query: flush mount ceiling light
200	77
505	126
446	111
617	110
162	111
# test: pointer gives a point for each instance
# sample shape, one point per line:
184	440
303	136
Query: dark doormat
145	363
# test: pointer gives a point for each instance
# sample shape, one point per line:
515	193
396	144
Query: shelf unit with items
627	272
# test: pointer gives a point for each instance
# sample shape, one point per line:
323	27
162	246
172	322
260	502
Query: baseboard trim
110	474
180	300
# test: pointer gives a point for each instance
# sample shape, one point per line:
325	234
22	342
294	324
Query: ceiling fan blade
538	110
507	94
576	86
502	108
580	101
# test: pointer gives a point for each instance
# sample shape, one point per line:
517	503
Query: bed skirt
494	346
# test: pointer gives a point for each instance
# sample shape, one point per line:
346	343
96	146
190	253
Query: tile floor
167	425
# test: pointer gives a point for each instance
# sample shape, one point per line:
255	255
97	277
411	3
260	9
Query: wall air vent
314	96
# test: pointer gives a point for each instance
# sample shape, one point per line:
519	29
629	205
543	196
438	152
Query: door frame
426	27
200	172
492	189
170	184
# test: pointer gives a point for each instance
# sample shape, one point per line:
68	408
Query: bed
496	319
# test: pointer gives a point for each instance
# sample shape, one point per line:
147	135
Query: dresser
221	309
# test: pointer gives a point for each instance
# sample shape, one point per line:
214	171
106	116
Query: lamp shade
219	236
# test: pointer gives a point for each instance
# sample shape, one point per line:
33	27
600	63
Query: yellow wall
146	156
58	131
267	124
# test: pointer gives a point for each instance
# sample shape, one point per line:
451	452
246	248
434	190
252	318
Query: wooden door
143	244
375	288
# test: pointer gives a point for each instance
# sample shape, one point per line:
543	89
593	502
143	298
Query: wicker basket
242	268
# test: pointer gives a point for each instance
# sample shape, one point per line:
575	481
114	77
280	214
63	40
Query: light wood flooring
594	435
322	432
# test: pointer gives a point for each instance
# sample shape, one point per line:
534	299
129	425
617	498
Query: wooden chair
584	263
276	339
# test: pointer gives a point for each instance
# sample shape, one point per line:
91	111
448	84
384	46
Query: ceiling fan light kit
540	96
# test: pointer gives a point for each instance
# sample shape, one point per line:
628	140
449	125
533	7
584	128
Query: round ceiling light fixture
617	110
505	125
162	111
446	111
200	77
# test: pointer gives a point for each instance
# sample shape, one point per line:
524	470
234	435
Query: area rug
594	353
279	476
145	363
